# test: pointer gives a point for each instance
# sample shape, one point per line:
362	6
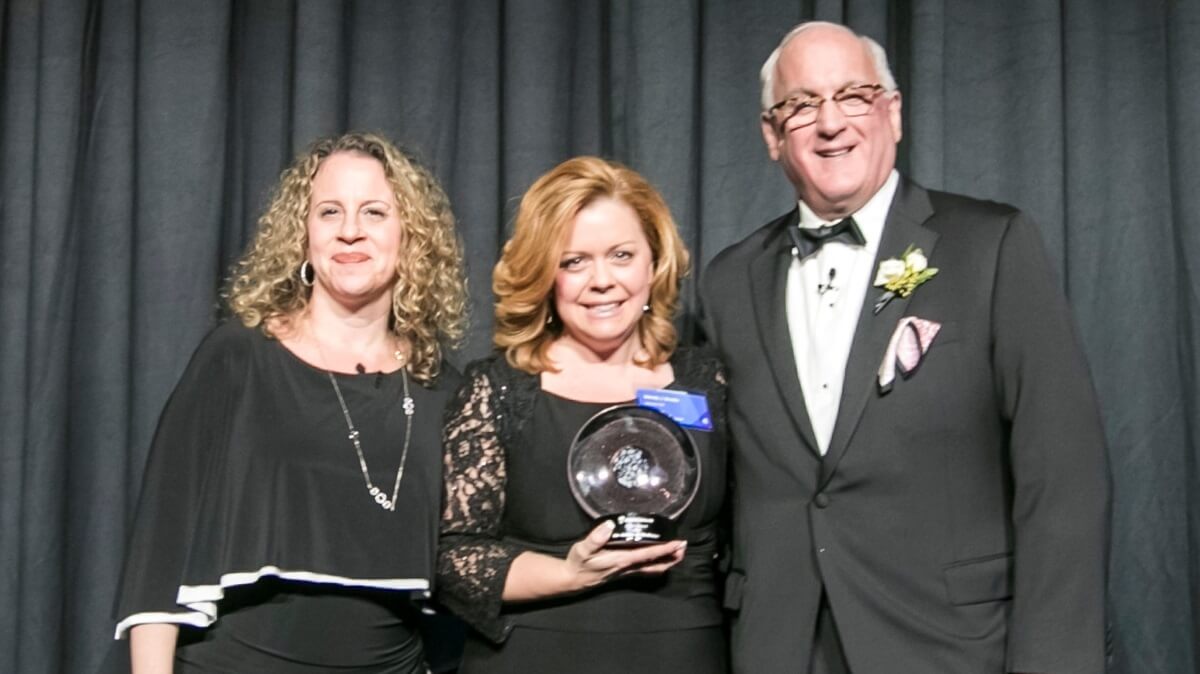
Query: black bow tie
809	240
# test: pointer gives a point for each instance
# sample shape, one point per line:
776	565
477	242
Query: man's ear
894	117
770	137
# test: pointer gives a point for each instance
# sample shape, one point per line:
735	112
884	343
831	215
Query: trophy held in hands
637	467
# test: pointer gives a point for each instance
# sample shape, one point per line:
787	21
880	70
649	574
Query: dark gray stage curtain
139	141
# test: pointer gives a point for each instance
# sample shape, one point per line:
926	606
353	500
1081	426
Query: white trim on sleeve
202	599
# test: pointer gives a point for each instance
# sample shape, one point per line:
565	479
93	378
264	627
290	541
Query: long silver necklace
378	494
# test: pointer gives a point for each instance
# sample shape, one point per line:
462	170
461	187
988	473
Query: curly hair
429	299
523	281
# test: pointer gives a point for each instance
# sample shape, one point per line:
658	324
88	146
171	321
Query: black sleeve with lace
698	369
473	561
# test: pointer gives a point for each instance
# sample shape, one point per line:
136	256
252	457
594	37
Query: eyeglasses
799	111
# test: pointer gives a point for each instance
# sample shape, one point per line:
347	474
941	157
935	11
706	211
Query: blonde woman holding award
586	292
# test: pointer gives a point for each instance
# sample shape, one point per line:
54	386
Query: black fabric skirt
283	627
536	651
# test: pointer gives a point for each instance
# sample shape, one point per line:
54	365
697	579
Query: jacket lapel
768	280
903	227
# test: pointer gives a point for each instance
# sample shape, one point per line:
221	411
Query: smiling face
837	163
354	231
604	276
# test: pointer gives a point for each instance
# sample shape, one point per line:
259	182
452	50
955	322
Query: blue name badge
686	409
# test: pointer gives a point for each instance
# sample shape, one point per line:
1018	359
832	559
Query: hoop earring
308	275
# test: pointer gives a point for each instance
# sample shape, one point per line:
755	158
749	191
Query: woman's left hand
589	563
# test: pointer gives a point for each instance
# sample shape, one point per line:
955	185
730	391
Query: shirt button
821	500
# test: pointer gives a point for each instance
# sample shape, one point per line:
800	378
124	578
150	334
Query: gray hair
878	58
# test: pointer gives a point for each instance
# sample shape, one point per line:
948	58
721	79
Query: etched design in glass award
637	467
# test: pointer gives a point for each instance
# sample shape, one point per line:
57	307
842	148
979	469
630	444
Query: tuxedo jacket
958	522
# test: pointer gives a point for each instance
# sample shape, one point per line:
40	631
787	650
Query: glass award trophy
637	467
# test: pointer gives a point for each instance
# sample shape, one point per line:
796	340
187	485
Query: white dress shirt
825	294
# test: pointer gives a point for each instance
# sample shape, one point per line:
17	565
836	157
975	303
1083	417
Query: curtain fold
140	139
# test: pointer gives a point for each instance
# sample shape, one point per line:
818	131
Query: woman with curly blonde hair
586	290
288	511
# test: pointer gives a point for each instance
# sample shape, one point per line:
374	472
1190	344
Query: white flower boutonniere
902	276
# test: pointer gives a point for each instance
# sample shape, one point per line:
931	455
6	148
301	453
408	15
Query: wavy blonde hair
429	299
523	281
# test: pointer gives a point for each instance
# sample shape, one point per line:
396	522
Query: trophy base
636	529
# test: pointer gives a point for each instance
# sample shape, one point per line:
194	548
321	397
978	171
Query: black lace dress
506	492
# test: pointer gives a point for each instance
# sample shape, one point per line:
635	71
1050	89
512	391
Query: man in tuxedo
919	474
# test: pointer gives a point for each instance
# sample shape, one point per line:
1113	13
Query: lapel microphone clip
823	288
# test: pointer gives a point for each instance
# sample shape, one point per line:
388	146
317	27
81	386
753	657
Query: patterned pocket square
906	348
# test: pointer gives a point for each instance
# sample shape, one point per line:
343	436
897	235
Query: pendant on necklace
382	499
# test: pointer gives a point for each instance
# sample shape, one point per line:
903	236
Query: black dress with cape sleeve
251	475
